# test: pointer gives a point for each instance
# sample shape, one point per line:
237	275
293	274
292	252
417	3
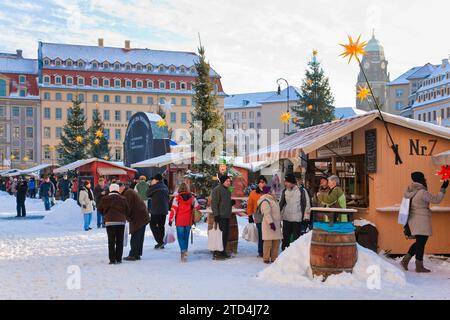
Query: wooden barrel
233	234
332	253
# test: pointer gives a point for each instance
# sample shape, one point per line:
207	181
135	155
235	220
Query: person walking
295	206
221	205
46	192
87	204
64	188
182	212
159	195
32	188
115	210
138	218
271	227
100	191
254	215
419	220
142	188
22	190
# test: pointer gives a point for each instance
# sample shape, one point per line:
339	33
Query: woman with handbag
183	207
419	221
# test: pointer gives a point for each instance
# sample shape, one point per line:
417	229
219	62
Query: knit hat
290	178
114	187
324	178
158	177
223	179
418	177
143	178
261	177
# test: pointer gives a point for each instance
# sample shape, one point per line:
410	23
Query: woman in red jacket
183	211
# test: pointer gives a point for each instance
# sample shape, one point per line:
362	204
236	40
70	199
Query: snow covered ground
40	259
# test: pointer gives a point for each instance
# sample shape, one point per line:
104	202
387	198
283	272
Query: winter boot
420	268
184	256
405	261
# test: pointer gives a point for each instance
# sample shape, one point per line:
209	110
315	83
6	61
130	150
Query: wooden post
333	166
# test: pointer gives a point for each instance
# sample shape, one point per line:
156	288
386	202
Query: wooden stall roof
80	163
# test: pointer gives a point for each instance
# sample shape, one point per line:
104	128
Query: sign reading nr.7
419	149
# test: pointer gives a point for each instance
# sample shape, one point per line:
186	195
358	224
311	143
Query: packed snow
39	259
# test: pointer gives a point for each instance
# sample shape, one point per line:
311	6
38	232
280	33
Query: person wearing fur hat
295	207
419	220
254	212
87	202
115	210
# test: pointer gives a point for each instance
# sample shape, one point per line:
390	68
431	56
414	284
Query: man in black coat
159	195
22	190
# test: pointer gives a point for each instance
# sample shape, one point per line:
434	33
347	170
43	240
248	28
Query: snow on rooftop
18	65
257	99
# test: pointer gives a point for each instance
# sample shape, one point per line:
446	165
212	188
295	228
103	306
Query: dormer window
80	81
128	67
94	65
150	84
149	68
161	69
138	67
46	80
182	70
80	64
116	66
69	63
46	62
192	70
58	62
172	69
105	65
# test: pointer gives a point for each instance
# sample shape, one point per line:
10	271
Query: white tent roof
36	168
79	163
442	159
165	159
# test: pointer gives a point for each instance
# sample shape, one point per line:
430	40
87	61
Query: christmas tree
315	105
74	137
98	142
205	111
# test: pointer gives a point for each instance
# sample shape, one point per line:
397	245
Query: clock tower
375	67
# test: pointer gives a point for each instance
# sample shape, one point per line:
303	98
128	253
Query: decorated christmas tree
315	105
74	138
98	142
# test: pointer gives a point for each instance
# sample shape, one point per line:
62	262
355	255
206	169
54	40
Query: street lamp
287	100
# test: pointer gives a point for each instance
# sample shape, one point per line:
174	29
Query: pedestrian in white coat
87	202
271	227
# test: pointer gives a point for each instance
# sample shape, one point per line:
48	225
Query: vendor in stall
335	197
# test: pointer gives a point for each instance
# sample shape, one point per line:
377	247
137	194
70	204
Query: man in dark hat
159	195
221	205
323	190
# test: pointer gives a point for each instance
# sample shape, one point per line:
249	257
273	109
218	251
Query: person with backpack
295	207
271	226
22	190
253	210
419	220
32	188
182	212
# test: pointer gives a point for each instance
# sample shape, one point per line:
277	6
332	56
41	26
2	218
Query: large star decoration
285	117
353	48
97	141
98	133
315	52
363	93
79	139
444	173
162	123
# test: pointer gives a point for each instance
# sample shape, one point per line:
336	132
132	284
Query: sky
250	43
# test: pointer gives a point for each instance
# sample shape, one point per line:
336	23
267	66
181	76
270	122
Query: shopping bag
125	235
250	233
215	240
169	237
403	213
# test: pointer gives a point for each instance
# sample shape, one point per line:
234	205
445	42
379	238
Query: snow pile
66	215
292	267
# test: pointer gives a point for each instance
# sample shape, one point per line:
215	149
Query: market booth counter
358	150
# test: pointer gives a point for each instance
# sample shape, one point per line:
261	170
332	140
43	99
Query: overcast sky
249	43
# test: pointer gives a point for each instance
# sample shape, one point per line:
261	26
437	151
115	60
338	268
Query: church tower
375	67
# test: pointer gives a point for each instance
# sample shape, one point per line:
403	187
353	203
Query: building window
29	112
106	82
16	153
442	114
139	84
58	80
129	114
251	114
46	153
173	101
46	80
95	98
69	63
162	101
150	101
138	67
398	105
95	82
173	86
429	116
106	115
173	117
46	95
161	69
193	102
47	133
419	117
128	67
183	117
58	113
105	65
2	88
244	115
94	65
29	154
117	115
399	93
129	100
162	85
117	83
228	115
69	81
116	66
182	85
236	115
182	70
128	83
149	68
16	111
183	102
252	125
58	96
172	69
150	84
23	92
2	111
434	115
258	114
80	81
139	100
117	134
69	97
106	98
29	132
107	135
448	112
80	64
69	113
117	99
192	69
46	62
16	132
118	153
47	113
58	132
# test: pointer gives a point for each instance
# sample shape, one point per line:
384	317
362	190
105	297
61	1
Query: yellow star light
162	123
98	133
96	141
309	82
106	157
315	52
285	117
79	139
353	48
310	107
363	93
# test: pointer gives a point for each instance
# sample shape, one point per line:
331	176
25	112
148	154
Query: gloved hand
170	223
444	184
272	226
250	219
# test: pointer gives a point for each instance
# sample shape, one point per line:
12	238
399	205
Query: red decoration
444	173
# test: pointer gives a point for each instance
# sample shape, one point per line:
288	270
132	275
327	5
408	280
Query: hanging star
106	157
285	116
98	133
315	52
309	82
79	139
310	107
97	141
162	123
444	173
363	93
353	49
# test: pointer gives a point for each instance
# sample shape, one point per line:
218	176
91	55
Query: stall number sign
419	147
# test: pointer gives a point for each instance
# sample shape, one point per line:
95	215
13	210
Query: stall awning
75	165
111	171
442	159
310	139
164	160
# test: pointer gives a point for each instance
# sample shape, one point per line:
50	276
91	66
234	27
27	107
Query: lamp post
287	100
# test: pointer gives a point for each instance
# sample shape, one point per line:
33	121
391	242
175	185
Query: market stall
374	178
